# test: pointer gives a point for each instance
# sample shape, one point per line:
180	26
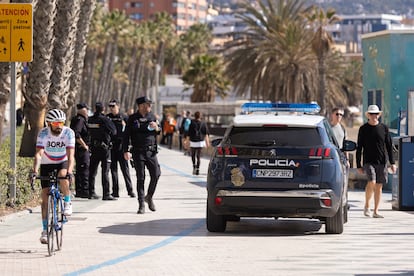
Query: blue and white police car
278	160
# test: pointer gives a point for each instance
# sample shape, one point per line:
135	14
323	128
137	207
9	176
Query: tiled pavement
109	238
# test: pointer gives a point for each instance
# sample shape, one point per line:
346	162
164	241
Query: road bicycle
55	217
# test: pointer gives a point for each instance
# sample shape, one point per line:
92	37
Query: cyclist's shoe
43	237
67	211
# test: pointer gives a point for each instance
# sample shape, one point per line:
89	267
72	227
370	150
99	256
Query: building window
136	16
151	4
136	4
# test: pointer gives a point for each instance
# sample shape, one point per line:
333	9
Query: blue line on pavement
140	252
181	173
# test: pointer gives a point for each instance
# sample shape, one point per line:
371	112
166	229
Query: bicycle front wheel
50	224
60	220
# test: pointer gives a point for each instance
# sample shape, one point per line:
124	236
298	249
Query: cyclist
55	150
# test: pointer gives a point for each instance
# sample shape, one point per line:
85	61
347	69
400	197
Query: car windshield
274	136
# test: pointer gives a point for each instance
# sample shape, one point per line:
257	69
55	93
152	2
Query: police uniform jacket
79	125
117	120
137	132
101	129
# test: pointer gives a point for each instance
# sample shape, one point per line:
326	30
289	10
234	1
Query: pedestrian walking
338	129
79	124
117	155
141	131
54	151
101	130
180	118
168	129
374	144
199	138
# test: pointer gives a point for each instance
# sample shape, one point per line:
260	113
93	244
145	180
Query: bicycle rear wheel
50	224
59	223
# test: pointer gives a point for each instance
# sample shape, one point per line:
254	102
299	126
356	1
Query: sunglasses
339	114
110	106
56	124
373	113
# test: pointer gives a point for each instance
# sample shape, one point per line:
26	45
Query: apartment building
184	12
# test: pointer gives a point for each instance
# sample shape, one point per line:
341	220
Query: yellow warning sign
16	32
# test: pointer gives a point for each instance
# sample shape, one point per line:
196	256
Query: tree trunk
4	93
85	15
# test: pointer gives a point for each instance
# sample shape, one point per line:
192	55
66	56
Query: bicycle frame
54	213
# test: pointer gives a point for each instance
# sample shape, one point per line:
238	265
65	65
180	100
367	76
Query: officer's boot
141	208
197	171
194	169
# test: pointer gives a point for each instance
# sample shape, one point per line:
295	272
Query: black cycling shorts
47	169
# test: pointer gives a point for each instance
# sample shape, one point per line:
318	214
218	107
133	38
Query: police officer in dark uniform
117	155
141	132
101	131
79	125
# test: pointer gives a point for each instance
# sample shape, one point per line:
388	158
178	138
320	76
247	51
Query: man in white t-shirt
338	129
55	150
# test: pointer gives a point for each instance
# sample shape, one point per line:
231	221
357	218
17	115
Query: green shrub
24	193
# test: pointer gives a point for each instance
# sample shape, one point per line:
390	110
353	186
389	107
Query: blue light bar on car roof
275	107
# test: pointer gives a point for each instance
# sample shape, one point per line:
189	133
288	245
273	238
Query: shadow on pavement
246	227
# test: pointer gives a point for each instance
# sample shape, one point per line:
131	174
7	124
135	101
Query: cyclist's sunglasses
57	124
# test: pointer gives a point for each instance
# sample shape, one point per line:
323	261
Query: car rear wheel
215	223
335	224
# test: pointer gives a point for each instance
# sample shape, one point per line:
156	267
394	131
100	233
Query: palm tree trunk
85	15
322	89
63	52
4	92
38	81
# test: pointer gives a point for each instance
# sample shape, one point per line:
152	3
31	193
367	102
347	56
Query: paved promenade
109	238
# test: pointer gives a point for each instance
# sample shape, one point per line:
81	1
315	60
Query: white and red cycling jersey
55	146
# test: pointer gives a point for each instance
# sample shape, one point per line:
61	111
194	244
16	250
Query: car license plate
272	173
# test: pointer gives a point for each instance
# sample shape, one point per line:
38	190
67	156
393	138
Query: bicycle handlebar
50	178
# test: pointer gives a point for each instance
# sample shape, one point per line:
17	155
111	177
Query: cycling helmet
55	115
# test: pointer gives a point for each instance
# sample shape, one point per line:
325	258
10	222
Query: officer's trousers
82	171
99	155
147	159
117	156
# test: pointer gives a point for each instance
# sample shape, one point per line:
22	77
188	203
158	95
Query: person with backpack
199	138
185	126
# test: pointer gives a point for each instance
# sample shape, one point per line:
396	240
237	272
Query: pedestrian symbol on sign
21	44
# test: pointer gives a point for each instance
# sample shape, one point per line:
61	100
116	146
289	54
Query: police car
278	160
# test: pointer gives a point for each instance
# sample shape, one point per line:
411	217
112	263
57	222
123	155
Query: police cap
82	105
142	100
99	107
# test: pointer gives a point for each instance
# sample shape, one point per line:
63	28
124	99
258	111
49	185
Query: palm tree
63	51
206	76
4	92
115	24
272	60
322	44
83	26
40	70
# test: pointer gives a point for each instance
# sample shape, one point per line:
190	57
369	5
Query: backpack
186	124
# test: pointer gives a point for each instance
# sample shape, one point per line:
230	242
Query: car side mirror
349	145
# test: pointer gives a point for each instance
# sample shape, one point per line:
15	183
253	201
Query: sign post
16	45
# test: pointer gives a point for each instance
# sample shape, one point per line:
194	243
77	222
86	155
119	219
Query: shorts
376	173
47	169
